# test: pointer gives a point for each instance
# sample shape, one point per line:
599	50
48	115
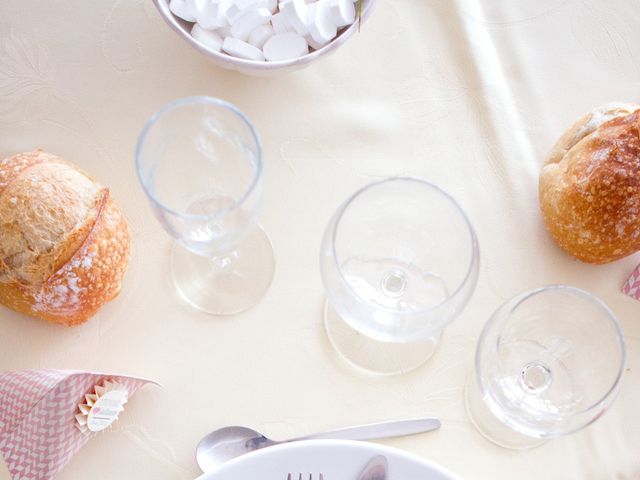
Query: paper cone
39	431
632	286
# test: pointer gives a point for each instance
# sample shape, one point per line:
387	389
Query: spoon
226	443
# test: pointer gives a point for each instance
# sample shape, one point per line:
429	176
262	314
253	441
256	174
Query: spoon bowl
226	443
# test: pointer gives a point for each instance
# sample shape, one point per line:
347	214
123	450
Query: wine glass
399	261
199	160
548	363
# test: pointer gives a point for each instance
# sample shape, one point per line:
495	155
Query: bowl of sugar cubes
260	37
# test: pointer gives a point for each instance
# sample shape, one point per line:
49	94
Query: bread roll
590	185
64	244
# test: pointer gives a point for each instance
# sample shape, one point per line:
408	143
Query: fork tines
301	477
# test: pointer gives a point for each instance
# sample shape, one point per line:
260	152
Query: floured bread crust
64	244
590	185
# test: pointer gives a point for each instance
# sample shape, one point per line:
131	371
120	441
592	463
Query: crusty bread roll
590	185
64	245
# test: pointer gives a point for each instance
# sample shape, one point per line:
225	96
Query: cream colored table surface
468	94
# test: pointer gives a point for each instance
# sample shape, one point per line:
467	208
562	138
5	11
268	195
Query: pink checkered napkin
38	435
632	285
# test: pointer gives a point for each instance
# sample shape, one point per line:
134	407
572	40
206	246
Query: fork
300	477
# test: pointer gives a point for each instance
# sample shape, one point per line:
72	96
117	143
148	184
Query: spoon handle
393	428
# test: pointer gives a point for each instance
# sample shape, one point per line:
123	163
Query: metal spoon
226	443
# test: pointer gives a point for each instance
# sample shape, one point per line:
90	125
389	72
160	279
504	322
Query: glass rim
202	100
474	241
524	296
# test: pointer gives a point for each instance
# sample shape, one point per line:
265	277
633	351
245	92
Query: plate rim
375	448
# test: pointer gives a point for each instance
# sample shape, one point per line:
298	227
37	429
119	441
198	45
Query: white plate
336	459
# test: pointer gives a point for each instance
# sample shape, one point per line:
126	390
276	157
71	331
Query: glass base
491	427
374	356
227	284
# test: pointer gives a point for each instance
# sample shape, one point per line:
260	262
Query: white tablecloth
468	94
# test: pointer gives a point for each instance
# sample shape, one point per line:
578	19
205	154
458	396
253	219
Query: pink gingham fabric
37	418
632	285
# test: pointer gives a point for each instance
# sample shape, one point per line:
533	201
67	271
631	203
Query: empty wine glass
548	363
199	160
399	261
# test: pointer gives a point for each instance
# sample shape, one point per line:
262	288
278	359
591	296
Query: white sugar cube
211	15
311	12
224	32
240	49
180	9
249	21
196	6
312	43
260	35
280	24
237	8
209	38
295	11
321	24
285	46
343	12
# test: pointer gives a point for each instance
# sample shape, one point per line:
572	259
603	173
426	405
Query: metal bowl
252	67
